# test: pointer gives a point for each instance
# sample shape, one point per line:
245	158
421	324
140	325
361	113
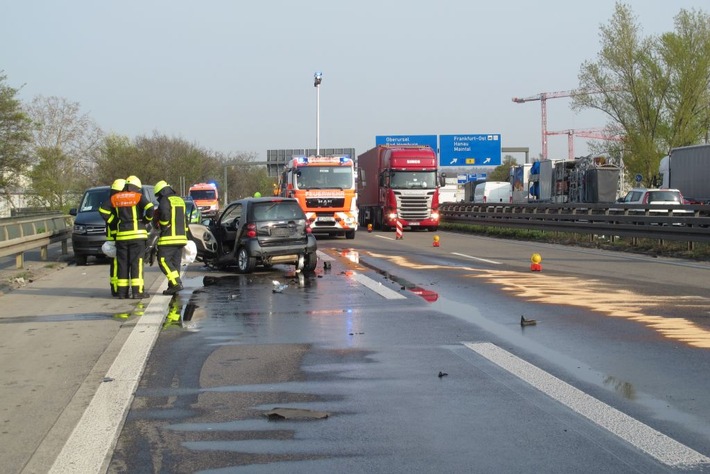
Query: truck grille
312	203
95	229
413	207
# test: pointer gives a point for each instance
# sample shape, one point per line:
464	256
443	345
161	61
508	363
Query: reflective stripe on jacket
171	218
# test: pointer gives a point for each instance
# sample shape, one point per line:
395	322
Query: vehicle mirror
72	211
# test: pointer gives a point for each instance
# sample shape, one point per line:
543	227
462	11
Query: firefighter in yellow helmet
132	210
111	228
172	223
257	194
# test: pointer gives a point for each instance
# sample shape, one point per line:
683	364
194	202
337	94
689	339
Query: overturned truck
591	179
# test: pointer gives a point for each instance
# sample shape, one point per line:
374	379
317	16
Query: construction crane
542	97
595	133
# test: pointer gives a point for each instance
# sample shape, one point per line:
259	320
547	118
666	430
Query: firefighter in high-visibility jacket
116	187
172	223
132	210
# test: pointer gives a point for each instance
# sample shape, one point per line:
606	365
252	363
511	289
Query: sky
236	76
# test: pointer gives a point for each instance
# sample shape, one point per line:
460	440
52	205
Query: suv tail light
251	230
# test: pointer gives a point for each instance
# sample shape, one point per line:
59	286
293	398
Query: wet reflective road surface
283	372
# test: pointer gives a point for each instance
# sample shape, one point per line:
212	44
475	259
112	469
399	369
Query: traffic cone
369	227
399	233
535	262
436	241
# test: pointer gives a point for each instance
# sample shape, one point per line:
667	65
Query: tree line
654	90
51	153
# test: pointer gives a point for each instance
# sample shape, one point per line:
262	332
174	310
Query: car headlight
79	229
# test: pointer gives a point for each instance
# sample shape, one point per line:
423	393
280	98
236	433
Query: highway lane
365	340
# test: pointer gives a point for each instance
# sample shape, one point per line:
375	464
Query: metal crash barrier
18	235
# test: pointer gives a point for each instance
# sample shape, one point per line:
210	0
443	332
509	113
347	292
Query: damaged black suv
257	231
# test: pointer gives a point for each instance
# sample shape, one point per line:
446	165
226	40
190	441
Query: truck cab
206	198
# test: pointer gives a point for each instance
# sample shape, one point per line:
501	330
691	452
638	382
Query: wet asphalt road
330	344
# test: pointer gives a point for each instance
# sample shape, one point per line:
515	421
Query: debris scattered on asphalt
295	414
527	322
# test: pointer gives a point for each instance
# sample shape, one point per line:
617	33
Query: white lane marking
378	287
654	443
90	443
384	237
324	256
476	258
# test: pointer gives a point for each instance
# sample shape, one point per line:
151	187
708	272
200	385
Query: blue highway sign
470	150
428	140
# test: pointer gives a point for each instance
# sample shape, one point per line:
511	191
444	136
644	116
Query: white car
654	196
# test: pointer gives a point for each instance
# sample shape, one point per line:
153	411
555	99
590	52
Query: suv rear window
277	211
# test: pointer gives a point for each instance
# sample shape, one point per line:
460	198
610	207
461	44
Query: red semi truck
399	183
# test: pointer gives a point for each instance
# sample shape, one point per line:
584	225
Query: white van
493	192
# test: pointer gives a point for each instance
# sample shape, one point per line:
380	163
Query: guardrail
663	222
18	235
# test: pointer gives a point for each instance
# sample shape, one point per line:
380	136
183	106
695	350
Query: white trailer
688	170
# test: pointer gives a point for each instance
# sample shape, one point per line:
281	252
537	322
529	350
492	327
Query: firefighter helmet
134	181
159	186
118	184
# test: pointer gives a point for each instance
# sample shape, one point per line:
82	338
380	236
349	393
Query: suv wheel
349	234
245	262
80	260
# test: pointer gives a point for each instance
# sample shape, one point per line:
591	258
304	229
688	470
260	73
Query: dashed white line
654	443
377	287
476	258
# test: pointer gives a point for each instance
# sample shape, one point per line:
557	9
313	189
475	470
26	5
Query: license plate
414	223
281	232
326	219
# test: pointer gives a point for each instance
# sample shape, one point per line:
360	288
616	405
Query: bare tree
60	126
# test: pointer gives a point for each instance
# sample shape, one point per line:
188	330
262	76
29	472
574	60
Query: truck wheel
245	262
80	260
349	234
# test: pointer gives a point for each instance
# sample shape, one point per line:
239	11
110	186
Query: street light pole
317	78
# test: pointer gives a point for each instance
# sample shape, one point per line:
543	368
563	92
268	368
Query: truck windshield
413	179
93	199
200	194
325	177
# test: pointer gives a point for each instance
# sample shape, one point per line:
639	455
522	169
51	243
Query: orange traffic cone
399	234
535	262
436	241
